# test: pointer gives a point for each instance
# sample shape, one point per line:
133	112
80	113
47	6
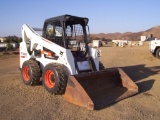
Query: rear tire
158	53
30	72
54	78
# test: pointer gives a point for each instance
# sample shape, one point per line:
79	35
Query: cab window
49	30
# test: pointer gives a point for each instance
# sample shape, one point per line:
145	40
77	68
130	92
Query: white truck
154	47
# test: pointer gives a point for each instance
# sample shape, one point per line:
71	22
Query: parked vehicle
67	65
154	47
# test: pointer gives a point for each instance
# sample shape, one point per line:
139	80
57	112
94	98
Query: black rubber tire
101	66
158	53
55	78
31	72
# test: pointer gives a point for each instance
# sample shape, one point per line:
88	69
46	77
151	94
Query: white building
144	38
120	43
4	45
97	43
2	39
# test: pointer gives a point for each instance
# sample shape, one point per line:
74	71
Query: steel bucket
99	89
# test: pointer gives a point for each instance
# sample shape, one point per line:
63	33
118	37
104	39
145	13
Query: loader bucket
99	89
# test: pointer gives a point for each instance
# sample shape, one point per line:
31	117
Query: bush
9	46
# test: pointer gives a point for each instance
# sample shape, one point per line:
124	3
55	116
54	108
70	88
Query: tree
19	39
12	39
9	46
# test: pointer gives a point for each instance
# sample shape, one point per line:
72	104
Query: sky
105	16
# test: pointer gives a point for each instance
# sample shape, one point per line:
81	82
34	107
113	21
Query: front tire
54	78
158	53
30	72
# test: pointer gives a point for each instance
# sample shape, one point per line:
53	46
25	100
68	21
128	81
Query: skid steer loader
67	65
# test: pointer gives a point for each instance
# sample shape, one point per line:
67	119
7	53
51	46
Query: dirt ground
21	102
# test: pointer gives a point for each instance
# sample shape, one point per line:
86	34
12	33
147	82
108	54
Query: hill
155	31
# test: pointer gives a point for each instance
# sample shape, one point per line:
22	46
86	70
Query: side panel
23	54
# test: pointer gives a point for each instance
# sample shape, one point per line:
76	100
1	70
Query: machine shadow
145	85
136	73
139	72
38	84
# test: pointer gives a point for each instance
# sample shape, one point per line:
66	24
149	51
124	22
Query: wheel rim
49	79
26	73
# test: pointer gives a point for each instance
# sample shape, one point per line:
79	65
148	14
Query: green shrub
9	46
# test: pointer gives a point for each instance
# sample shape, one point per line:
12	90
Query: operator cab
69	32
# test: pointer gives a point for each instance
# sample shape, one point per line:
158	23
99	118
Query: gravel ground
19	101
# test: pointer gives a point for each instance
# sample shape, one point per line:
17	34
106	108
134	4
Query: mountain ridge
155	31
